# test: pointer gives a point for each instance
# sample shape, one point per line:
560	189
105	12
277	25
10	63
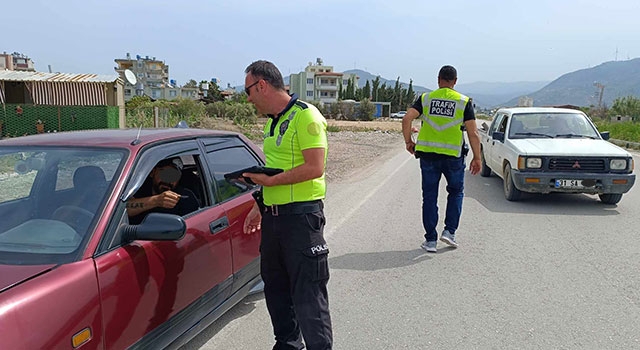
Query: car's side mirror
605	135
484	126
498	136
156	227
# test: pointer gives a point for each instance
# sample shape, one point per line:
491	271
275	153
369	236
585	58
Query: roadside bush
331	110
365	110
140	111
241	113
217	110
187	108
628	131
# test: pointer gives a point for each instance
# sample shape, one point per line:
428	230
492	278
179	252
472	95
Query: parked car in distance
545	150
399	114
75	273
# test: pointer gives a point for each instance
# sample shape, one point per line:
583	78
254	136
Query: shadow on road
488	192
243	308
381	260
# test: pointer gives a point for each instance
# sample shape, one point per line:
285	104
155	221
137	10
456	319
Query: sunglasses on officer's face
247	89
169	174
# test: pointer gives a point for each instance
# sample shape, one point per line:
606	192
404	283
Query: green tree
365	110
626	106
187	109
213	93
410	96
375	88
350	93
138	101
397	96
191	84
366	90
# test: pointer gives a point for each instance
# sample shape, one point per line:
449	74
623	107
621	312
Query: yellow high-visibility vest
299	128
442	118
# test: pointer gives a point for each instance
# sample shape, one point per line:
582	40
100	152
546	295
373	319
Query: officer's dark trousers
295	273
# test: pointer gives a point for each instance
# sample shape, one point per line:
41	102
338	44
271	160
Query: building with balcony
151	79
319	82
16	62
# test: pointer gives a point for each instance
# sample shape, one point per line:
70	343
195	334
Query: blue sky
502	41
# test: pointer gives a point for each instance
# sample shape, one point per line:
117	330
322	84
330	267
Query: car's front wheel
485	171
511	193
610	198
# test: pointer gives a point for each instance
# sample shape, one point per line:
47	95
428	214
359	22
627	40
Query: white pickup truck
544	150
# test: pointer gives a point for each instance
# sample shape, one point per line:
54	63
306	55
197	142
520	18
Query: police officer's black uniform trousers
295	274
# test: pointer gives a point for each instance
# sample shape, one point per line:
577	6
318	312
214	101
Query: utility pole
600	92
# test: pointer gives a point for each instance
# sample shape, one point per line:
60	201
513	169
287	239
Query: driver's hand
167	199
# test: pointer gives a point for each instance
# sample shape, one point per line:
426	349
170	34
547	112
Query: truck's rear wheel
485	171
511	193
610	198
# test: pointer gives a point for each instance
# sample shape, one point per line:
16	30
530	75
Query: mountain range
583	87
485	94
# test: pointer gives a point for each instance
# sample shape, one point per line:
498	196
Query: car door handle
218	225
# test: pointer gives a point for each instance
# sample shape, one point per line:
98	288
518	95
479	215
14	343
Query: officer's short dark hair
268	71
448	73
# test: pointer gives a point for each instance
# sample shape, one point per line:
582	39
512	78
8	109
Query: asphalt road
548	272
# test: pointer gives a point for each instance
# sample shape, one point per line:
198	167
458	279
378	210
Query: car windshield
49	200
551	125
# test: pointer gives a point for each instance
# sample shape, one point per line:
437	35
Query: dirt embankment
357	144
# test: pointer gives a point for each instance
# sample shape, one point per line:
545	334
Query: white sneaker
449	239
430	247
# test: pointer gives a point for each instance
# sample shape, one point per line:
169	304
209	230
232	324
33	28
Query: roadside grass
625	134
628	131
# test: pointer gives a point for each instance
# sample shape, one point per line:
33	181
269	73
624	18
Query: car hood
11	275
569	147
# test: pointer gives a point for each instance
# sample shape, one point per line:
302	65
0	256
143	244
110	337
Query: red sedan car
74	273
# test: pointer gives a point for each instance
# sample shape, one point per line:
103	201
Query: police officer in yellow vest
440	146
293	250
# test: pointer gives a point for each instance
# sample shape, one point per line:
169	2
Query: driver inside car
556	126
162	193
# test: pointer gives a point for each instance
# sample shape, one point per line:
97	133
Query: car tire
610	198
511	193
485	171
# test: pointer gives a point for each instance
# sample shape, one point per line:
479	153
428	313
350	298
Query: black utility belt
295	208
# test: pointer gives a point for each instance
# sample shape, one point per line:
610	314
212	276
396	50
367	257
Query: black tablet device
256	169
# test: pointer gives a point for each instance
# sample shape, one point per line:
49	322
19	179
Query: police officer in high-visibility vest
293	250
441	148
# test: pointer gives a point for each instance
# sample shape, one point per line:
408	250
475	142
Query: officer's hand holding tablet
256	169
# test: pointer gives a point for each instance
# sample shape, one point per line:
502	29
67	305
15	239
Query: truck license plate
565	183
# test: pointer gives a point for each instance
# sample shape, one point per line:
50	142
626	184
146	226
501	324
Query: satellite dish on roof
131	78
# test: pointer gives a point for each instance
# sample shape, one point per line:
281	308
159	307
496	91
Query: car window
17	174
50	200
552	124
503	124
180	175
227	160
68	167
496	122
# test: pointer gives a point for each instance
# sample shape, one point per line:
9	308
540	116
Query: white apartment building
152	79
16	62
319	82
